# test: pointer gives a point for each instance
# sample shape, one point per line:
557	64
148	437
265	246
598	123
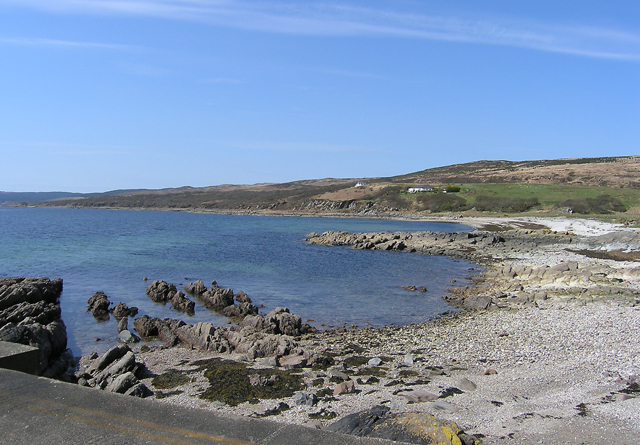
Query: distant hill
31	197
582	178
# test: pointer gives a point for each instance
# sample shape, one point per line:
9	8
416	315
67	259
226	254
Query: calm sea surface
267	257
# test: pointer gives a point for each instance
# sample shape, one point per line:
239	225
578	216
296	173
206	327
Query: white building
420	188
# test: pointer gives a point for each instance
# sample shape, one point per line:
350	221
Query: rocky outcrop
475	246
222	300
30	315
162	292
115	371
270	336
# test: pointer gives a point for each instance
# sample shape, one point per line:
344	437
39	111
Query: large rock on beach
30	315
115	371
418	428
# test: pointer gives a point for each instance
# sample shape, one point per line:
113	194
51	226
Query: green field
498	199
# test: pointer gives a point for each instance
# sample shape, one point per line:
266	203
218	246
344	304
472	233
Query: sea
113	251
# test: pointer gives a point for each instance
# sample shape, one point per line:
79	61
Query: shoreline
551	364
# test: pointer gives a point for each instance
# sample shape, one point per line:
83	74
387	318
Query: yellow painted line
34	401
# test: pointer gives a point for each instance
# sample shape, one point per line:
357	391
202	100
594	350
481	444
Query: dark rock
285	322
160	291
218	298
197	288
361	423
98	305
122	310
181	303
241	297
123	324
139	390
38	312
30	290
418	428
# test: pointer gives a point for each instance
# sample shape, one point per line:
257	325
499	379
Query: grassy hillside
588	186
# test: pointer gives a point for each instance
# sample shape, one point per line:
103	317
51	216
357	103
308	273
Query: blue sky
98	95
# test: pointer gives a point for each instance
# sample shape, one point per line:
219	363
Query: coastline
557	368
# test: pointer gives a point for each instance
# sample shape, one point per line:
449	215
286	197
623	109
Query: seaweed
229	382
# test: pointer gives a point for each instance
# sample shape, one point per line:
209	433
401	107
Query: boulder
285	322
416	428
122	383
126	336
160	291
98	305
347	387
122	310
197	288
217	298
303	398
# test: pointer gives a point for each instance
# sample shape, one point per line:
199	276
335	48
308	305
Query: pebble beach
562	368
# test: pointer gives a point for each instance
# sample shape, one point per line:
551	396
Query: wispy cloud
332	19
66	44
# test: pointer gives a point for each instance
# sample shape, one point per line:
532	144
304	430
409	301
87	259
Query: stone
197	288
490	371
418	428
106	359
302	398
375	362
419	396
98	305
446	406
347	387
123	324
409	359
122	383
293	361
126	336
139	390
466	384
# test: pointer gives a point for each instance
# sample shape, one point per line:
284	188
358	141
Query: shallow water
267	257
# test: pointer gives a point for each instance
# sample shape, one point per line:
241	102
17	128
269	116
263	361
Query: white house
420	188
360	184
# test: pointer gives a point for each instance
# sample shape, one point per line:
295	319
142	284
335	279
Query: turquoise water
267	257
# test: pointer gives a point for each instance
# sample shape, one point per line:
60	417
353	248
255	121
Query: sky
98	95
